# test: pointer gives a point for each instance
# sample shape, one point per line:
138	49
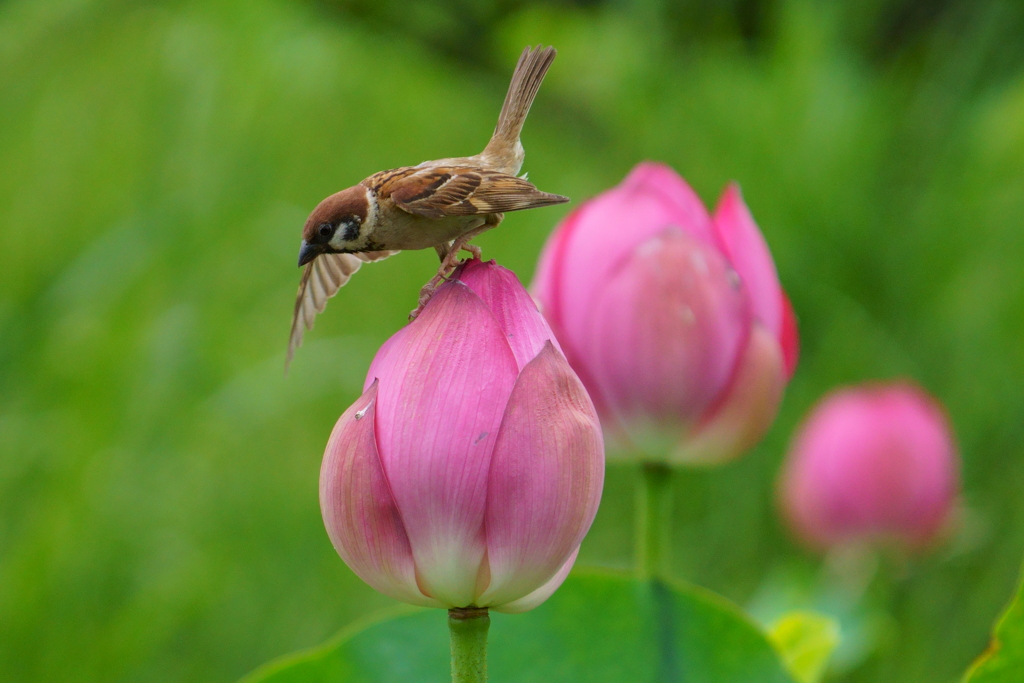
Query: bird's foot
449	262
428	290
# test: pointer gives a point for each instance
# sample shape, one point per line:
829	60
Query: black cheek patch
351	231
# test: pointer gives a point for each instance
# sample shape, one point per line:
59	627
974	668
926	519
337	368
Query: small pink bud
674	319
874	463
471	468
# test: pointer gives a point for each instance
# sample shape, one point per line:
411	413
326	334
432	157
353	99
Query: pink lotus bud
874	463
469	471
674	319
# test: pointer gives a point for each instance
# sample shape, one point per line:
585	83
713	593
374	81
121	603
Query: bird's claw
428	290
448	265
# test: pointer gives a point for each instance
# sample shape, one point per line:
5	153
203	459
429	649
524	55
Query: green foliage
596	627
806	641
1003	661
158	474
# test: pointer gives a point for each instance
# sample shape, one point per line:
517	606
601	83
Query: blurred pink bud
471	468
874	464
675	320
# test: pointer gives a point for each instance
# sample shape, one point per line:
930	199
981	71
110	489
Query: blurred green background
158	473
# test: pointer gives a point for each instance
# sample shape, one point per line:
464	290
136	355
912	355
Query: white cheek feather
371	208
338	240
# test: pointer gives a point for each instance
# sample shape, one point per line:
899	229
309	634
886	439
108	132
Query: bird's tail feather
526	80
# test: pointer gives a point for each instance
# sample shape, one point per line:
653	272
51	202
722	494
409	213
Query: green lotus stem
653	519
468	627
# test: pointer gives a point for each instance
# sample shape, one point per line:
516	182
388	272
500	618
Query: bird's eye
326	230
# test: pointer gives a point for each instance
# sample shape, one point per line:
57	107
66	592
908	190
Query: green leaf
597	627
806	641
1003	660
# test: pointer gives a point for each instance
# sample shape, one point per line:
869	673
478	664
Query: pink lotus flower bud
674	319
874	463
471	468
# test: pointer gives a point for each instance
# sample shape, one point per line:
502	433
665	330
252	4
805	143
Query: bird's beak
308	252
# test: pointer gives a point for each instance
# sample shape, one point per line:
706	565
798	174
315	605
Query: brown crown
340	206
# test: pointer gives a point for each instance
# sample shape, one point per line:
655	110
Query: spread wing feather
321	280
448	191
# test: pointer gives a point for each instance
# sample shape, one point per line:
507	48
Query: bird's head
336	225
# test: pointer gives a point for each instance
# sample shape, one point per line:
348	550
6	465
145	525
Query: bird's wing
321	279
435	192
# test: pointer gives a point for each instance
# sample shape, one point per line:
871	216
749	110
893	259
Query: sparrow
440	204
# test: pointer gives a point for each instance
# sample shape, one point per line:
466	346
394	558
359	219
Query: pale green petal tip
805	641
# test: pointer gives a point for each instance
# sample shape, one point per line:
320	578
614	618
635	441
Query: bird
440	204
